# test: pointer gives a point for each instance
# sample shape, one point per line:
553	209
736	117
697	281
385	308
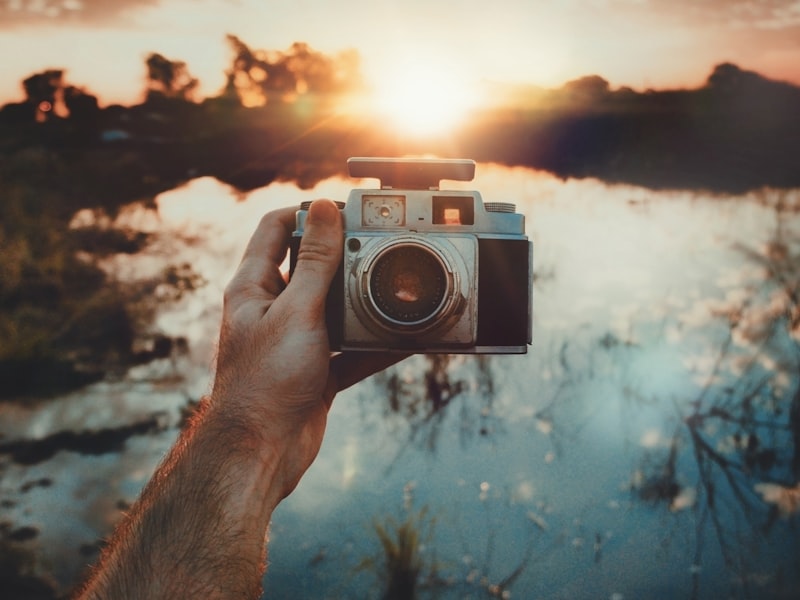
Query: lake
645	447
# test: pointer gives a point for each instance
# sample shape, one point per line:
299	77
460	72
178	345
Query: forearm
199	528
200	525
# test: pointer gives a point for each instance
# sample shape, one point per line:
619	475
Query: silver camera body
426	270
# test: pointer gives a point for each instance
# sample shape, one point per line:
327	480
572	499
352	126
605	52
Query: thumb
318	257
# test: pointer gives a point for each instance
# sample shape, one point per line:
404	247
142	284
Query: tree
169	79
80	104
257	76
587	88
48	95
45	91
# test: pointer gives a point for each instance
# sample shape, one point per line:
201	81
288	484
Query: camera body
426	270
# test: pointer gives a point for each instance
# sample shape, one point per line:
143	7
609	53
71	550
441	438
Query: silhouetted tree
80	104
169	79
727	77
258	76
45	91
47	94
586	88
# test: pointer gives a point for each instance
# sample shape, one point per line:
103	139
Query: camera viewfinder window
453	210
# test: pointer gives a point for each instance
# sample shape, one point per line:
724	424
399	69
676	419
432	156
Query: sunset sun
424	99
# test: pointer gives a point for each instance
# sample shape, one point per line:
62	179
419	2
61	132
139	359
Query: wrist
252	458
267	454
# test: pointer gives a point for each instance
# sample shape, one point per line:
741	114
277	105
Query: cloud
739	14
48	12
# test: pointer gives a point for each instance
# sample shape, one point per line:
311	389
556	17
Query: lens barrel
408	284
408	287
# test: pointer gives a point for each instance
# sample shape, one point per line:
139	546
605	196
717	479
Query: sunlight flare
421	97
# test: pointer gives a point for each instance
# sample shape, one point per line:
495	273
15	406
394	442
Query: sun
422	98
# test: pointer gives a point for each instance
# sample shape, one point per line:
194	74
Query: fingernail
322	212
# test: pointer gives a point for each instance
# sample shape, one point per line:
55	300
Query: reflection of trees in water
431	395
570	370
67	318
426	390
496	577
734	456
423	390
19	576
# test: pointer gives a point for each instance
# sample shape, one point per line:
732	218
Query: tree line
254	78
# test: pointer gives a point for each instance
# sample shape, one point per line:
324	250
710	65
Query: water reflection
426	388
733	455
647	446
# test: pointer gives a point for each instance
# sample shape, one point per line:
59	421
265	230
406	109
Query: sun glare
423	99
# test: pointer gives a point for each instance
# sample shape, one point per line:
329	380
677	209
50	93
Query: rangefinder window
383	211
453	210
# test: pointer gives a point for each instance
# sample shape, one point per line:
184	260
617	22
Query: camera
426	270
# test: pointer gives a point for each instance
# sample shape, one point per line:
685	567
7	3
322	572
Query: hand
275	372
199	527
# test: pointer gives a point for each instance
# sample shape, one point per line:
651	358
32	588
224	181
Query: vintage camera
427	270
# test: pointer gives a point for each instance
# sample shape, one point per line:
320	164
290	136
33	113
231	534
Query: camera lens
408	284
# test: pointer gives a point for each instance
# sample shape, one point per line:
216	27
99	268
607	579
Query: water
641	449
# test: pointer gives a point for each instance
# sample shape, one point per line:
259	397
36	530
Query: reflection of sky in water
538	474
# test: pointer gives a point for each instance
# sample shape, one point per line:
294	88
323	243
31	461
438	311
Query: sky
643	44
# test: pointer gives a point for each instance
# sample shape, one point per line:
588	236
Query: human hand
199	527
275	376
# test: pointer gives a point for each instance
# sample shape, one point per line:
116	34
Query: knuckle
230	293
268	221
316	251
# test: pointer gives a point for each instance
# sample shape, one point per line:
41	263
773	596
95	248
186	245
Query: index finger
259	269
271	237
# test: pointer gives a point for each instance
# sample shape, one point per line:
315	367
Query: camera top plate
412	173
